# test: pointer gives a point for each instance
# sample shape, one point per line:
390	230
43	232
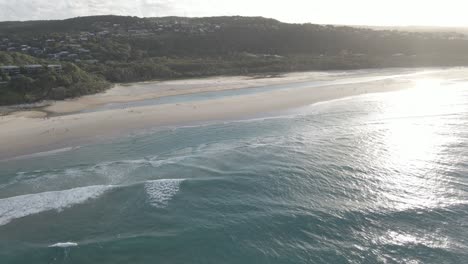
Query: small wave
160	192
24	205
43	154
64	245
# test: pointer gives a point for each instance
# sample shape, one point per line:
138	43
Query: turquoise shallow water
371	179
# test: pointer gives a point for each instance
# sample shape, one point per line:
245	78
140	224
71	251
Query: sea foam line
64	245
42	154
24	205
159	193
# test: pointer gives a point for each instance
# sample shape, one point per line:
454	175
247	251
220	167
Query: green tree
4	77
22	83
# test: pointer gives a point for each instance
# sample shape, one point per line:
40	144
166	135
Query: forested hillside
125	49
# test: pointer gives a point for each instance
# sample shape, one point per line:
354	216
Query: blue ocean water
379	178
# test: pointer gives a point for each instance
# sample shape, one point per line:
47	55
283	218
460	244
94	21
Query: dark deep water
372	179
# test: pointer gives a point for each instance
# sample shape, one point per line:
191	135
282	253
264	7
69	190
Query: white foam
20	206
155	162
64	245
43	154
160	192
116	172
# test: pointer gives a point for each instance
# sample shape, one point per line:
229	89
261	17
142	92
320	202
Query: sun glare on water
415	133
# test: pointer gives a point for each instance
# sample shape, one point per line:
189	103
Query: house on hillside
34	69
53	56
10	70
72	56
36	51
91	61
57	68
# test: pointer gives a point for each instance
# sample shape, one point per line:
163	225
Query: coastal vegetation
96	51
71	81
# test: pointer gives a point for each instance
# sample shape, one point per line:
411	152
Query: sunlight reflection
405	239
415	133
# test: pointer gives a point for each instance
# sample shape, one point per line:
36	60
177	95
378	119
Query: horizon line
286	22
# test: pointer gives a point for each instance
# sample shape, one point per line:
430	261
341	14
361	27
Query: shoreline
146	90
29	132
138	91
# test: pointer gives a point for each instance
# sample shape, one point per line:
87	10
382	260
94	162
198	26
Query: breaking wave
24	205
160	192
64	245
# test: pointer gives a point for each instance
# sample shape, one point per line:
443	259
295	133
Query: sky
349	12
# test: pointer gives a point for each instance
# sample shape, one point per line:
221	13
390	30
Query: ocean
378	178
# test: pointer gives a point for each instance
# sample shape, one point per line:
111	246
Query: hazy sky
356	12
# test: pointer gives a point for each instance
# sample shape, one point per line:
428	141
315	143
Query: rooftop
33	66
8	67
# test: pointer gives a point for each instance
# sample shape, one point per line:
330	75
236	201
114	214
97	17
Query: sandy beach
158	89
29	132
